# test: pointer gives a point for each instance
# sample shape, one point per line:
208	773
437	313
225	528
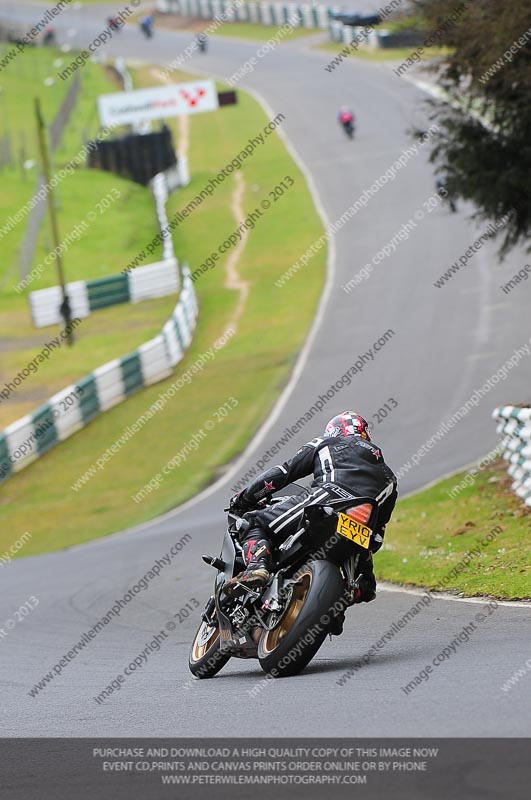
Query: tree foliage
484	141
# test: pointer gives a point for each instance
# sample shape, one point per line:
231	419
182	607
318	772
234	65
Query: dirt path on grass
233	280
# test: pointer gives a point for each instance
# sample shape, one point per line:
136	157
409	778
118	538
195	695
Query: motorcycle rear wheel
283	651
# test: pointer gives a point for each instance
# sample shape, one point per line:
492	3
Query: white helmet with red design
348	423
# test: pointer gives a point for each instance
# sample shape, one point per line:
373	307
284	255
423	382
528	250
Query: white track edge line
384	586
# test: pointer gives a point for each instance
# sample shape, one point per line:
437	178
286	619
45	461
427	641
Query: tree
484	141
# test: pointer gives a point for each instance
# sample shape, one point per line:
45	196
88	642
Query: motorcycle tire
205	659
284	651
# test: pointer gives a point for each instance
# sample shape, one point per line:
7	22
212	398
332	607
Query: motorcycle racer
346	119
345	115
344	456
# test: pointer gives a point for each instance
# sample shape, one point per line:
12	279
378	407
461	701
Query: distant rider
146	26
345	456
345	116
49	37
114	23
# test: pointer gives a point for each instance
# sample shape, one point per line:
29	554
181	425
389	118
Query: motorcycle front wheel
205	659
292	643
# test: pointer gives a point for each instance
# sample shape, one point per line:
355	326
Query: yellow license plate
360	534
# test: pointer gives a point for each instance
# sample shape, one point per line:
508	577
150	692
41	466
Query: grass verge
104	221
382	54
431	534
262	33
35	74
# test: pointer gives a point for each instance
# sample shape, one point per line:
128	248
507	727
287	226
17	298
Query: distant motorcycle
146	26
348	127
346	119
114	23
49	38
315	577
202	42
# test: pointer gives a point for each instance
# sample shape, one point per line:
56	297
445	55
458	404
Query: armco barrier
515	424
276	14
75	406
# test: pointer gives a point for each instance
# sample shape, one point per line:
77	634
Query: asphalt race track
446	343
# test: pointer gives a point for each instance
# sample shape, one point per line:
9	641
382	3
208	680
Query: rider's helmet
348	423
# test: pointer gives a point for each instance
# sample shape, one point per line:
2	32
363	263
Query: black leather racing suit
351	462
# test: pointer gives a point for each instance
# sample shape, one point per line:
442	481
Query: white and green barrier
300	15
348	34
142	283
75	406
514	423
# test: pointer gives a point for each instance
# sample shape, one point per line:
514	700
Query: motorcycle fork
208	614
225	627
228	632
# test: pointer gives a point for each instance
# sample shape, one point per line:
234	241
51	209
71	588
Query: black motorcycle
202	42
314	579
348	127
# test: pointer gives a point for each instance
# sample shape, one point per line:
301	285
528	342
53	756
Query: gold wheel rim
199	651
273	638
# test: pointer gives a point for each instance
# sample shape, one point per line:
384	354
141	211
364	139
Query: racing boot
257	555
367	585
